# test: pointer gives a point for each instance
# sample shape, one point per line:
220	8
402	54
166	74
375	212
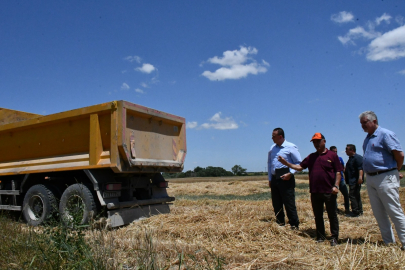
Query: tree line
210	171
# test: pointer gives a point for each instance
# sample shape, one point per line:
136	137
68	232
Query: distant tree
198	169
200	172
238	170
211	171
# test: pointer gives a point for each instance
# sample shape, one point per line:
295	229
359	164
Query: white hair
370	115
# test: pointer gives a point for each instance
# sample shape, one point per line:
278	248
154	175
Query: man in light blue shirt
382	160
281	178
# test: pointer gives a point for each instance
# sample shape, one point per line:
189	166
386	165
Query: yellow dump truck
102	160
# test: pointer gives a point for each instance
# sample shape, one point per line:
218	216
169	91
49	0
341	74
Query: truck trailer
104	160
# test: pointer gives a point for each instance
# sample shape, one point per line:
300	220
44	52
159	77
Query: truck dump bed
108	156
121	135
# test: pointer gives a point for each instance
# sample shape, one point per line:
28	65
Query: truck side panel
121	135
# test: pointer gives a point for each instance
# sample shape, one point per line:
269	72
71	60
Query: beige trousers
383	191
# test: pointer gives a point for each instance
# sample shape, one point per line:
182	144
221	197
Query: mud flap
119	217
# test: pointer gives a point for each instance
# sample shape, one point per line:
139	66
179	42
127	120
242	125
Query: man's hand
286	176
360	181
296	167
400	176
282	160
335	191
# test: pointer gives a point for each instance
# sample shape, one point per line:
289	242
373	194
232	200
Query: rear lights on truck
113	186
163	184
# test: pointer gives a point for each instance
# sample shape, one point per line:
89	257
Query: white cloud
243	123
234	65
191	124
385	17
216	122
146	68
124	86
358	32
389	46
139	90
402	72
234	72
155	79
144	85
400	20
234	57
383	46
342	17
345	40
133	59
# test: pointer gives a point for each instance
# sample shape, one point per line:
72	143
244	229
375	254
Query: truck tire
77	205
39	205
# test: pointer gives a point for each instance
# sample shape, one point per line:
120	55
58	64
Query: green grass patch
48	247
55	246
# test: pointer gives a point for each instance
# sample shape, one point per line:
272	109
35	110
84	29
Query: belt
380	172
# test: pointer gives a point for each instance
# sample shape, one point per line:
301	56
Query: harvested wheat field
230	224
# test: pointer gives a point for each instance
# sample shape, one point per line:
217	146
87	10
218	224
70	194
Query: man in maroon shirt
324	177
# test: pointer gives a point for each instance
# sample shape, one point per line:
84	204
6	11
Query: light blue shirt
377	149
288	151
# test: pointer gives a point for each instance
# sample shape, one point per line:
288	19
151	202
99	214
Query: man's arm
343	165
335	190
399	158
269	165
295	158
360	181
359	160
296	167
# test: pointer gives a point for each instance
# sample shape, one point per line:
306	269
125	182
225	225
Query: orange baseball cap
317	136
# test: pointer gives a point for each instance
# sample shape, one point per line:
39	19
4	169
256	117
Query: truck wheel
39	205
77	205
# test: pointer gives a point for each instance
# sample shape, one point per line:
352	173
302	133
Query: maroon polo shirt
322	171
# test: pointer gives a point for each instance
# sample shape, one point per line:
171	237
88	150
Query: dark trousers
355	199
345	193
283	194
318	200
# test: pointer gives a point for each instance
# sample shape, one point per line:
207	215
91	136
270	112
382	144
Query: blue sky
234	69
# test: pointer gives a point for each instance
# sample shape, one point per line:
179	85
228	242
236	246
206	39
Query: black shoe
351	214
294	228
333	242
319	240
347	211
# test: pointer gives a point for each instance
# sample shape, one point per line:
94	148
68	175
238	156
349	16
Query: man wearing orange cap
324	177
